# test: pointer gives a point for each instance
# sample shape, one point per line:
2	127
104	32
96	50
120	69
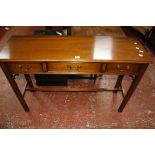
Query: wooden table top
84	49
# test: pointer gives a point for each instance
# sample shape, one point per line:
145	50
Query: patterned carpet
81	110
114	31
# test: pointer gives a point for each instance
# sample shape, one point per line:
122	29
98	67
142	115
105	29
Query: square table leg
29	81
119	82
14	87
133	87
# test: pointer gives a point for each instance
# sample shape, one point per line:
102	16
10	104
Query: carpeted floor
114	31
80	110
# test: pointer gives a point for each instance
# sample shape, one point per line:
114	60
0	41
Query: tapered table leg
119	82
14	87
29	81
132	87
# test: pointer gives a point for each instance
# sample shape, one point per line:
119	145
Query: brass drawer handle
24	68
79	67
123	69
69	67
29	66
20	66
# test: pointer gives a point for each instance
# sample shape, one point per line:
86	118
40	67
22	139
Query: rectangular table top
69	48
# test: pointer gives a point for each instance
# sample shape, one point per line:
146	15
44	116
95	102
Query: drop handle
123	69
20	66
79	67
29	66
69	67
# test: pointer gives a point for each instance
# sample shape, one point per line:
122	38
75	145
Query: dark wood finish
79	49
29	81
63	89
25	67
74	55
14	87
122	68
123	93
24	89
132	87
119	82
73	67
44	65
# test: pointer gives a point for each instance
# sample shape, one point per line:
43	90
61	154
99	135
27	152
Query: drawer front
17	67
71	68
122	68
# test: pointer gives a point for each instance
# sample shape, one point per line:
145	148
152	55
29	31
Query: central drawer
74	67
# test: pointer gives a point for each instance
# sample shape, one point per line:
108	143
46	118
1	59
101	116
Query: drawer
73	67
17	67
122	68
